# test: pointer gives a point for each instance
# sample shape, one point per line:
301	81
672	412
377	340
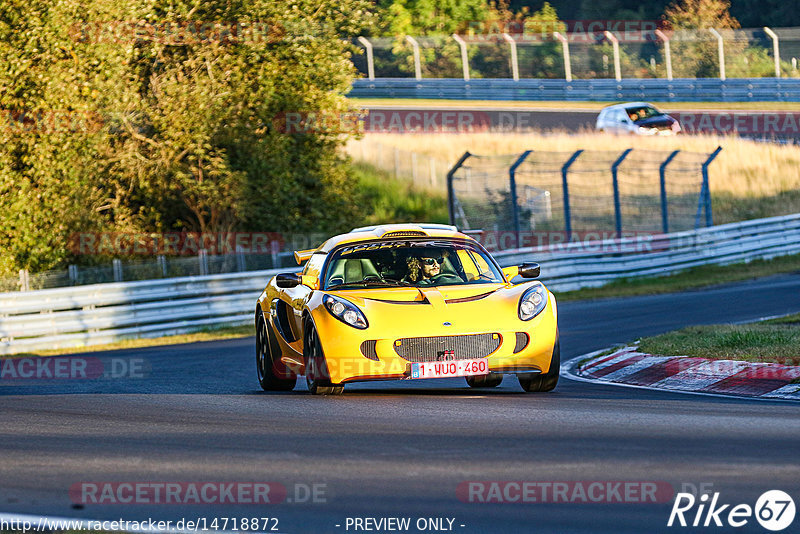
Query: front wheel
546	381
484	381
317	376
265	360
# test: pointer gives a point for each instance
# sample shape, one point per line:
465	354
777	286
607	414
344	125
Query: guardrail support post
464	57
565	47
667	52
615	44
705	193
512	185
617	204
721	53
565	193
451	205
417	65
370	58
662	171
514	62
775	50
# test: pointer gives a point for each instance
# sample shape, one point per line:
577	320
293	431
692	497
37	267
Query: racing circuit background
98	435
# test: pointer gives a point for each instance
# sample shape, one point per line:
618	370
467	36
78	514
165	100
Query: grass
774	341
209	334
594	106
386	200
748	179
694	278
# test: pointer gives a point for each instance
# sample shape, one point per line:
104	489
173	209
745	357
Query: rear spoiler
301	256
473	232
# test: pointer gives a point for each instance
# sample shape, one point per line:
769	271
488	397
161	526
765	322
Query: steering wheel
446	277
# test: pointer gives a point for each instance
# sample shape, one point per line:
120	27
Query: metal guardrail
601	90
592	264
103	313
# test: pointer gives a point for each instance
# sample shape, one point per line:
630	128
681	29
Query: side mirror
529	270
287	280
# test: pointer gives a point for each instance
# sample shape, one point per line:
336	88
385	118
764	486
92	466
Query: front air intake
368	349
442	348
522	341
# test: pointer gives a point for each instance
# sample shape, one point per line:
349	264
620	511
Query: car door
292	301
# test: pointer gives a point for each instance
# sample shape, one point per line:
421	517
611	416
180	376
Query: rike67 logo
774	510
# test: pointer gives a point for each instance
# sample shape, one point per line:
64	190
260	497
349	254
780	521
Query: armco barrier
102	313
601	90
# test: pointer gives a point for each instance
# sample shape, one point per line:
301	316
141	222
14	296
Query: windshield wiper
386	282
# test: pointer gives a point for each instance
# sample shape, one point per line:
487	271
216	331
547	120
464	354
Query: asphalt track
400	449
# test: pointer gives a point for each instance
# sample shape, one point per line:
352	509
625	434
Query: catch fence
577	194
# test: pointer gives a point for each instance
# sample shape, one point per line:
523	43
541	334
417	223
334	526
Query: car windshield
638	113
381	264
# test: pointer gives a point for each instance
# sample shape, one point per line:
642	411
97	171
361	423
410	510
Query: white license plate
479	366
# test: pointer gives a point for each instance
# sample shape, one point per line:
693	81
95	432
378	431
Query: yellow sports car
405	301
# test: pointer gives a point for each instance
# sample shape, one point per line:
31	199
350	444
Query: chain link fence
424	171
575	194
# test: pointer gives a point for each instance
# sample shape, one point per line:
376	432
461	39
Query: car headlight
533	301
647	131
345	311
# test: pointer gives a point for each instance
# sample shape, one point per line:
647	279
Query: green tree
694	48
184	131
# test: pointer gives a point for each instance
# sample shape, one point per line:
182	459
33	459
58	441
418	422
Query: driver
425	265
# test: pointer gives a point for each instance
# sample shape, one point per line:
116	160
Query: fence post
707	187
451	206
275	249
72	272
565	47
417	66
514	61
24	280
667	52
414	176
662	171
464	57
512	185
202	259
116	266
396	162
617	205
162	262
775	50
615	44
432	163
240	264
370	58
565	192
721	52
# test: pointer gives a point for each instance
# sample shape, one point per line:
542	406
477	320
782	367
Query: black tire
266	346
317	377
485	381
546	381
